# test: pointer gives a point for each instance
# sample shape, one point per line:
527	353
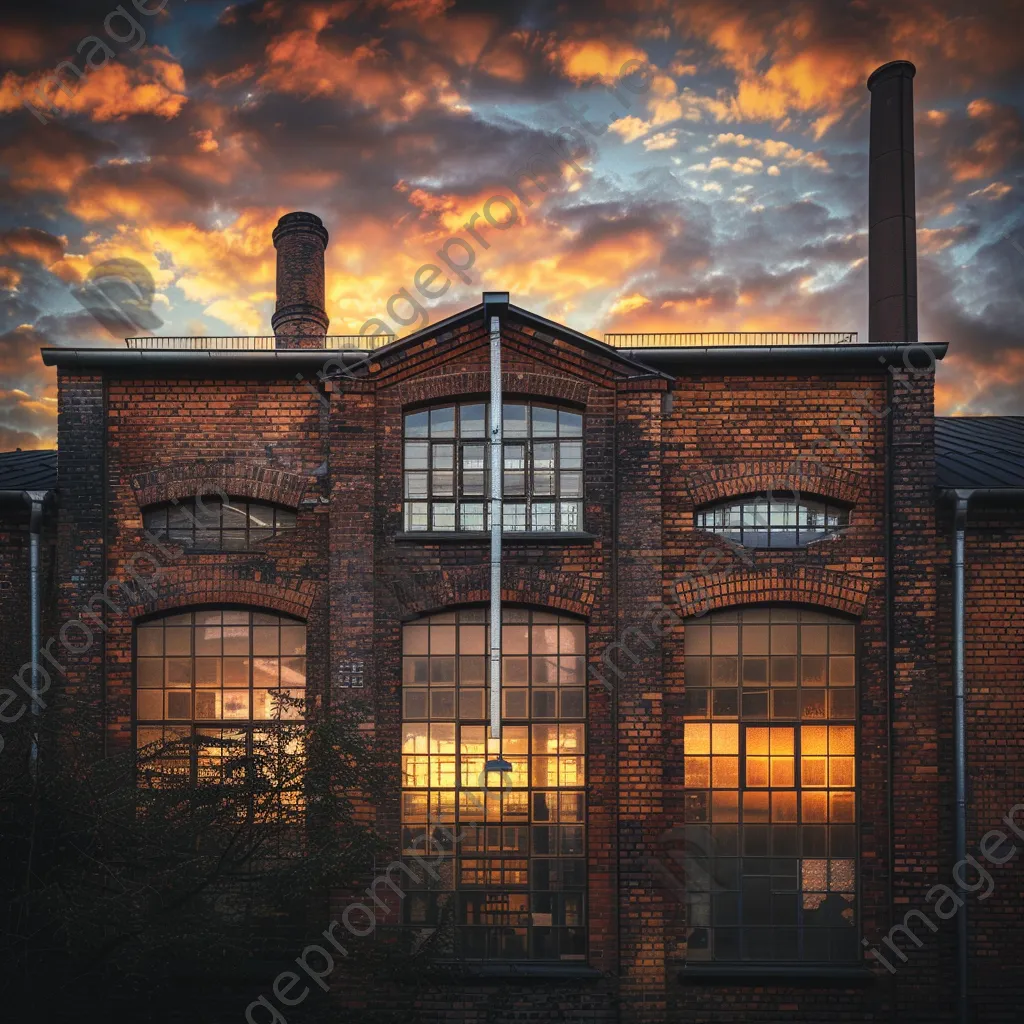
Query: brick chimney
300	320
892	216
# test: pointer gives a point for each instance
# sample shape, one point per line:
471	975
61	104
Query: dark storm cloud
392	118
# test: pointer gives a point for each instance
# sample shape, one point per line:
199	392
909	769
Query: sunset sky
730	193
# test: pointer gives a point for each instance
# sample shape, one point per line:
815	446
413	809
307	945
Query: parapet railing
259	342
369	343
709	339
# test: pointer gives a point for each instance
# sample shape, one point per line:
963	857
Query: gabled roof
979	451
544	327
28	471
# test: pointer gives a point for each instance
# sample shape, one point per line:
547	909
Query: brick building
739	578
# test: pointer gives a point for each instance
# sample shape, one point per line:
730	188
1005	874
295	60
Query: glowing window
210	684
769	758
515	881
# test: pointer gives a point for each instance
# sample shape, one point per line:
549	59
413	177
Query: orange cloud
630	128
590	60
9	279
301	62
36	170
113	92
798	60
774	149
33	244
963	386
1000	138
148	197
997	190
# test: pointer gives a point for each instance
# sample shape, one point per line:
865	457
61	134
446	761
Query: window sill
533	969
711	973
474	536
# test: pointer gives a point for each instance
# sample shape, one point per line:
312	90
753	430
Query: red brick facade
655	449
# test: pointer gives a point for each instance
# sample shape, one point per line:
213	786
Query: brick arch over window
541	588
186	479
477	382
782	476
821	588
218	586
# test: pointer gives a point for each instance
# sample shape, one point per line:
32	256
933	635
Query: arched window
515	879
771	804
447	468
212	524
763	521
216	675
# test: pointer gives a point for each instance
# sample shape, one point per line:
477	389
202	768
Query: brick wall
993	660
651	459
172	437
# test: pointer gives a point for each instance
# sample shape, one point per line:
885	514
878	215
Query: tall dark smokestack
300	320
892	217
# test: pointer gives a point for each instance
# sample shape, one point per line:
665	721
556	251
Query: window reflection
203	678
212	524
769	759
515	881
447	468
763	522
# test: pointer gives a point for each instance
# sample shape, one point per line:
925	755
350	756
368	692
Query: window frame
248	726
195	523
749	505
426	503
797	723
466	781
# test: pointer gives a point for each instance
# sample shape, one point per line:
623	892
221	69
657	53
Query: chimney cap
892	69
306	223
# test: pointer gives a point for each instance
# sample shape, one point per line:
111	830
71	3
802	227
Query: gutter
663	362
202	359
749	358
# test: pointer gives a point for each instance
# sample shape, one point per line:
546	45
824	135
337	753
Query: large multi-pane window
447	468
763	521
514	881
213	524
212	683
770	804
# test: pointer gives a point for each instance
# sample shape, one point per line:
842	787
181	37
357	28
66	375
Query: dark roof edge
620	355
22	499
1012	492
548	326
664	362
741	358
284	359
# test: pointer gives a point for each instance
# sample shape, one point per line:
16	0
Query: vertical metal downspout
496	524
960	739
35	502
890	653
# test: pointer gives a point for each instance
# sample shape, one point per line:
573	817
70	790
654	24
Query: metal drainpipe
963	498
34	499
496	525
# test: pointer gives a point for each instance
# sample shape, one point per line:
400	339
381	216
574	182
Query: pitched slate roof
979	451
28	471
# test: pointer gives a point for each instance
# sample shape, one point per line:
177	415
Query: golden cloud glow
630	128
114	92
589	60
